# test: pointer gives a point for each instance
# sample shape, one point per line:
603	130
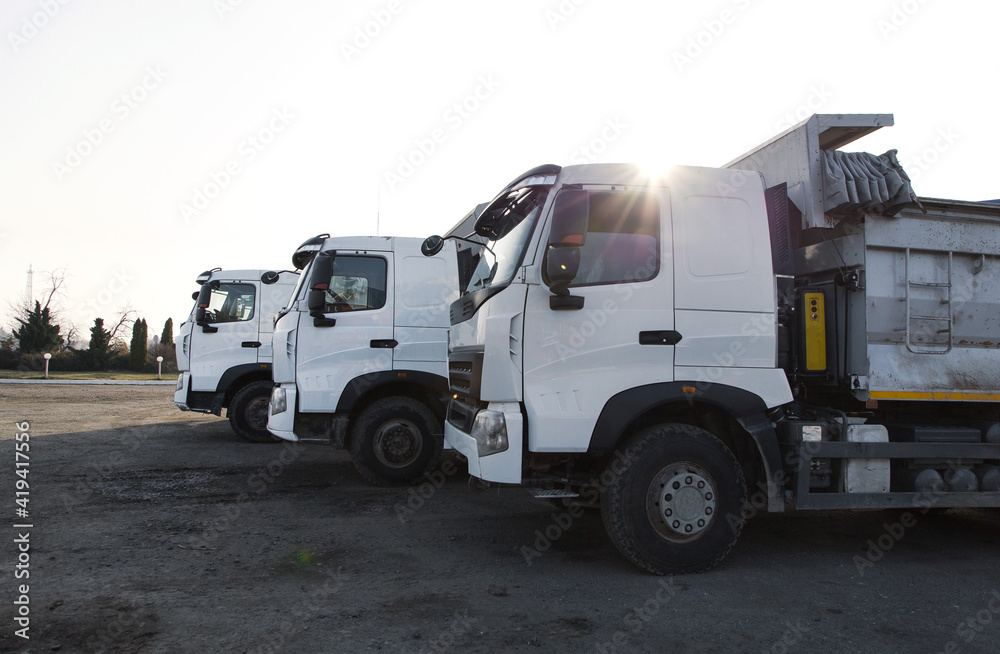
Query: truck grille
465	372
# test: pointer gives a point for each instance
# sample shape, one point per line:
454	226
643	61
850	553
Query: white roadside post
159	367
47	356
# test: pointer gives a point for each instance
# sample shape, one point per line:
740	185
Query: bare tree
54	291
126	316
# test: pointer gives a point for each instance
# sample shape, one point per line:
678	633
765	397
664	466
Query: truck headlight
490	431
278	402
180	383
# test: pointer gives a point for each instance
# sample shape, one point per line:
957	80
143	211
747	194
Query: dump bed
924	323
912	285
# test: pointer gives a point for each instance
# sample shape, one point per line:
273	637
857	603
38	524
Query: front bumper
181	391
282	424
501	467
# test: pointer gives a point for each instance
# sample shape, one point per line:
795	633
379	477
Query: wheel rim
398	443
681	501
256	413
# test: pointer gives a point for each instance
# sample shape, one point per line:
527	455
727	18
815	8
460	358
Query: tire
707	512
395	440
248	412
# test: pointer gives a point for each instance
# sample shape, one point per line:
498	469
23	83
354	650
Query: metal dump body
922	322
933	303
925	322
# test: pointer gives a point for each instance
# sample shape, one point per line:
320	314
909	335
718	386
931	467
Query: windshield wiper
485	281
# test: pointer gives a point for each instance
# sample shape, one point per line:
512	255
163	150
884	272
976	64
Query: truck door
230	337
724	289
622	337
356	336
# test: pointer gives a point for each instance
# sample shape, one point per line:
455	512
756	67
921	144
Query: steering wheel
339	302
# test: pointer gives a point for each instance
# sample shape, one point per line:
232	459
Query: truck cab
224	347
794	331
361	352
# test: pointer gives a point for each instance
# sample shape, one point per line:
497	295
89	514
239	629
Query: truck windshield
507	223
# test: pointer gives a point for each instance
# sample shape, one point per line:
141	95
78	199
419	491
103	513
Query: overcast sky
144	142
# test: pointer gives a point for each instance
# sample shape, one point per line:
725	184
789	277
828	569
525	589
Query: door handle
667	337
251	343
384	343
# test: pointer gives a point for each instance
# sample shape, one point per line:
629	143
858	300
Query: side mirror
562	263
316	300
269	277
570	217
567	234
319	282
203	298
194	296
431	245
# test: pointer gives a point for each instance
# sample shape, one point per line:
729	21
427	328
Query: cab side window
358	283
622	242
231	303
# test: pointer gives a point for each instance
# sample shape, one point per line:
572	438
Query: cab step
552	493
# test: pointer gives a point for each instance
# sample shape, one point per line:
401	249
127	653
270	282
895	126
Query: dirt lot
160	531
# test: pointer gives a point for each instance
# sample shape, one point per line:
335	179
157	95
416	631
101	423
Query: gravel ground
160	531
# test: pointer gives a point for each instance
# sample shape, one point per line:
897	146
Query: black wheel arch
710	405
426	387
239	376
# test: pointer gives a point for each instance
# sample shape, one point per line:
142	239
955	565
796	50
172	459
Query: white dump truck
224	347
360	353
793	331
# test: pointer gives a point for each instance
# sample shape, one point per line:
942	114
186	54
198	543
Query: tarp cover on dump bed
861	182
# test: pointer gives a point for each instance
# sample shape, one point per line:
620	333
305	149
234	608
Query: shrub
29	362
69	361
8	360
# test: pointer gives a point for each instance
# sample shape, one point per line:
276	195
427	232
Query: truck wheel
248	412
674	504
395	440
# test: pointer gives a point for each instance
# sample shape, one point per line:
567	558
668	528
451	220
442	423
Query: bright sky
144	142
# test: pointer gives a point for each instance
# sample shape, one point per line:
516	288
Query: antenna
378	209
29	291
